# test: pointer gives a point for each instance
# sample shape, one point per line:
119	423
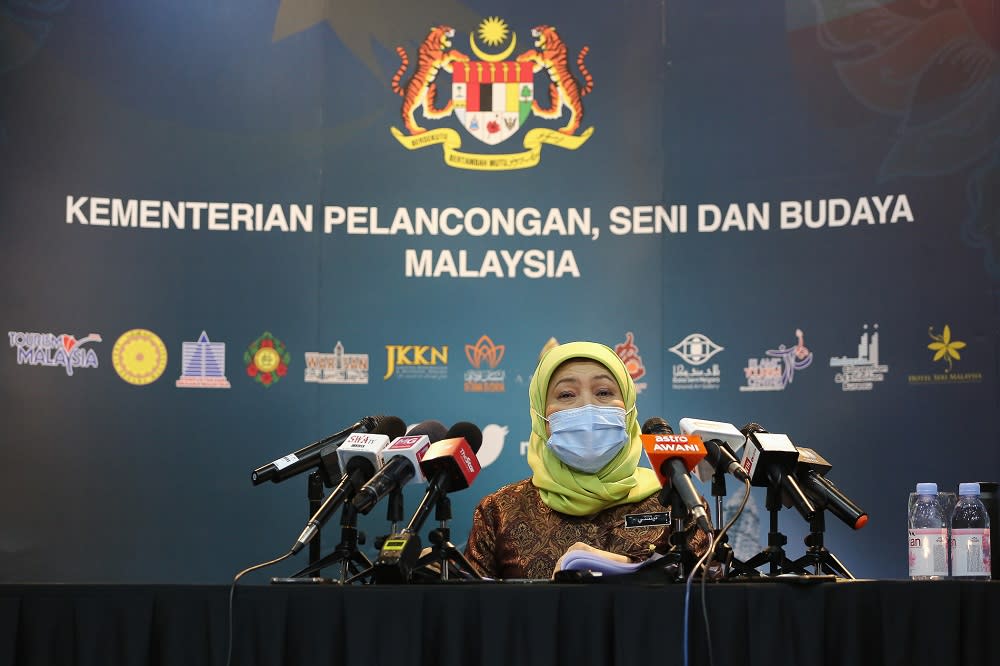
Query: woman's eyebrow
603	376
574	380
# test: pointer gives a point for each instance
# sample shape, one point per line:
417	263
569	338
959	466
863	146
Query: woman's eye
565	394
605	393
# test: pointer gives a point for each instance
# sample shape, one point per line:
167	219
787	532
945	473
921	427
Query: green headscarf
570	491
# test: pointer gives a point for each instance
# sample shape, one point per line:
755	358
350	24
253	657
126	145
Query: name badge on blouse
633	520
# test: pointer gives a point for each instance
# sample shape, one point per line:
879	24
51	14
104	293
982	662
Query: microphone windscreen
393	426
470	431
752	427
656	426
434	430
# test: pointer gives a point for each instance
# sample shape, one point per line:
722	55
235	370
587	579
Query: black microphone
769	460
719	438
656	426
360	455
720	453
310	456
402	463
672	460
811	474
450	465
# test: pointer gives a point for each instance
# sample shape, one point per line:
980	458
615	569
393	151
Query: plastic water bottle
928	535
970	535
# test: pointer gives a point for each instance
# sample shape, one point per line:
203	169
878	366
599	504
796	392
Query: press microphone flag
722	441
769	460
402	464
450	464
672	457
360	455
810	471
309	457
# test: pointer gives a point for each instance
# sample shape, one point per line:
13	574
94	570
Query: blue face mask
587	438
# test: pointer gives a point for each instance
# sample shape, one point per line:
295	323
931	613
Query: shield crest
492	99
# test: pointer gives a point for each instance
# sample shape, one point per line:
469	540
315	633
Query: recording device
450	465
769	460
672	457
402	464
722	441
360	455
309	457
810	472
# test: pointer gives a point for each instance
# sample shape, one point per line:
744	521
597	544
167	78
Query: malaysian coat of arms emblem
492	97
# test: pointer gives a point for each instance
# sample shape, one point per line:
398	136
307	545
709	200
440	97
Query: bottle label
928	552
970	552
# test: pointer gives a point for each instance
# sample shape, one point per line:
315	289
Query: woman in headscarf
584	453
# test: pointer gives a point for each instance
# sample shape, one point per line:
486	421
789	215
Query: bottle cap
927	489
968	489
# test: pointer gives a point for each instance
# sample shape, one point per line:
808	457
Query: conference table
888	622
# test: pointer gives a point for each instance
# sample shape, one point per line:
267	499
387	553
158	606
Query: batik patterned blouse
515	535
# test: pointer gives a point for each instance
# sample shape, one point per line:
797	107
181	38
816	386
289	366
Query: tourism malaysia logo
695	350
946	351
55	351
492	97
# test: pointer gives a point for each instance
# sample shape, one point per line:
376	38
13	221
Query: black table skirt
867	622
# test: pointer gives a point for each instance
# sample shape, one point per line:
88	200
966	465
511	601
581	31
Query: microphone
721	440
311	456
450	465
769	460
360	455
672	457
811	474
402	462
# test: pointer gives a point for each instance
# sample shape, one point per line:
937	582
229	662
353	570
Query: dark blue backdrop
290	103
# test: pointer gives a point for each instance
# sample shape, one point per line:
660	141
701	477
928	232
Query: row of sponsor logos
139	356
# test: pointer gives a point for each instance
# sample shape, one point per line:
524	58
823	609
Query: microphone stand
443	551
817	555
731	565
679	559
774	554
327	475
315	493
352	560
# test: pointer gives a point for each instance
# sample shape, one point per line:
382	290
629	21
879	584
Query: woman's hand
579	545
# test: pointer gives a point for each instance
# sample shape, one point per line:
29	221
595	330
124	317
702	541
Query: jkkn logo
484	380
416	361
492	97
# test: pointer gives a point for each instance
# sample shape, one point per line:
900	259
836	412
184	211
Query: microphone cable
702	562
232	594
